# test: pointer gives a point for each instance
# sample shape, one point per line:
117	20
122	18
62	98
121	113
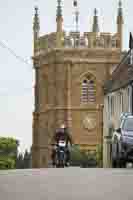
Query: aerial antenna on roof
36	2
75	4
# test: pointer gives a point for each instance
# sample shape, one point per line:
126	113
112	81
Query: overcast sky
16	77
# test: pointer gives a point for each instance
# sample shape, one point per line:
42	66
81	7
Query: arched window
88	91
84	97
91	91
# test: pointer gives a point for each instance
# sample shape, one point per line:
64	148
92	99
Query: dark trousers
54	155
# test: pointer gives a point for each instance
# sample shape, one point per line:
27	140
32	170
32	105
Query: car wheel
114	163
122	164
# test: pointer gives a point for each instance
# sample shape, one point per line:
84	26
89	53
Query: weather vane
75	4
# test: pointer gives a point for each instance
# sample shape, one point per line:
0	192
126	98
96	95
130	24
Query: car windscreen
128	124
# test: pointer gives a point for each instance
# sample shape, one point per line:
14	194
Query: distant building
118	98
70	72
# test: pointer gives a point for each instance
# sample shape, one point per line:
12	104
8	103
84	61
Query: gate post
108	152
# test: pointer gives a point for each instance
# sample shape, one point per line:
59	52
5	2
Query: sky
16	76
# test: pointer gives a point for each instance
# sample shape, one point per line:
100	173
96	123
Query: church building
70	72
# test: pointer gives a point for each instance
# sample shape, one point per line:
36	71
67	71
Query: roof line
118	88
121	62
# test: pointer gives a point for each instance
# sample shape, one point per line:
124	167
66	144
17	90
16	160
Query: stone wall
60	83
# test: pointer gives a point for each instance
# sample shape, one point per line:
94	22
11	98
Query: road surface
67	184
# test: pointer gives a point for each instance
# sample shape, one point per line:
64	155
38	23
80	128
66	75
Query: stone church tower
70	71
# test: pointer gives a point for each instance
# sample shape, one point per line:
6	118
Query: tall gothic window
84	97
88	91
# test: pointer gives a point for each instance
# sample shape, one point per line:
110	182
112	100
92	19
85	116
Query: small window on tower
84	97
91	91
88	91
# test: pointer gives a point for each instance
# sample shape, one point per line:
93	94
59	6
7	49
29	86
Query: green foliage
20	161
24	161
8	152
99	155
8	145
7	163
27	159
76	156
82	158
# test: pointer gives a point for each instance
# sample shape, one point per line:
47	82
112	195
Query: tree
27	159
23	161
8	152
7	163
20	161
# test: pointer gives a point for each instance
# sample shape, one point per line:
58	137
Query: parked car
122	142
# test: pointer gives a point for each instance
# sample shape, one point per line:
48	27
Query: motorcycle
61	154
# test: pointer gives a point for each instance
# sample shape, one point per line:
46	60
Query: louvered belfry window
91	91
84	97
88	91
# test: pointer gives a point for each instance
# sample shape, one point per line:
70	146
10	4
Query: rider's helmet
63	128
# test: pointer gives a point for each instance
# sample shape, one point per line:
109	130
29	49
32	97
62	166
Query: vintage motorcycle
61	154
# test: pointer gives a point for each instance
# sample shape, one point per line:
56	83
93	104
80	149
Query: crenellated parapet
47	41
77	40
93	39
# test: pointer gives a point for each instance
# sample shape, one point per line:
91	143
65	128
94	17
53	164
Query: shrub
99	155
82	158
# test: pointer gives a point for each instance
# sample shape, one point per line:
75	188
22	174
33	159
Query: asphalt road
67	184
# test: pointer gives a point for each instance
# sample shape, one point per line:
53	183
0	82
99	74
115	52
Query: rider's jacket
62	135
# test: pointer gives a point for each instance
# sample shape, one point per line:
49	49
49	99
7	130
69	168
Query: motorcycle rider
61	134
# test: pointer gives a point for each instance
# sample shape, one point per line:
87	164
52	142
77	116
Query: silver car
122	142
